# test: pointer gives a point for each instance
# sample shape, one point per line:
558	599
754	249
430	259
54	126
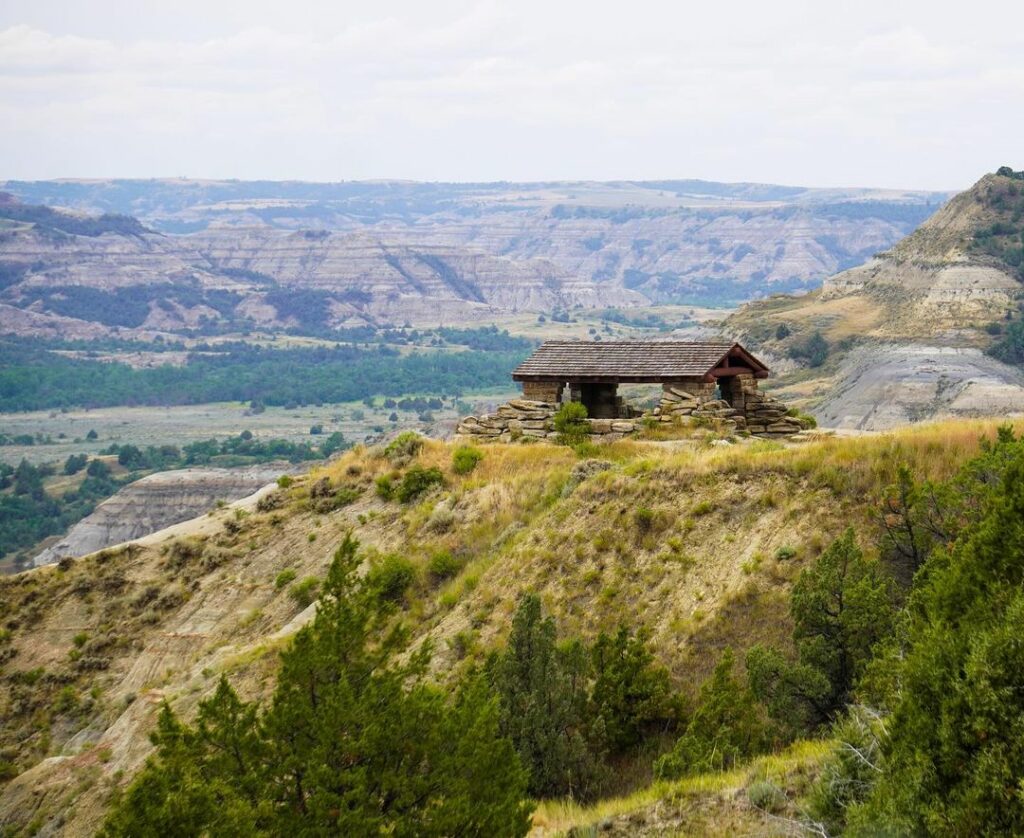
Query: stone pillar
543	391
736	389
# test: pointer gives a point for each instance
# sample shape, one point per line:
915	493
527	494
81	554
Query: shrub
391	577
465	459
571	424
785	553
284	577
270	502
849	774
404	447
284	481
443	565
804	419
385	487
416	481
304	592
767	796
441	519
782	332
67	700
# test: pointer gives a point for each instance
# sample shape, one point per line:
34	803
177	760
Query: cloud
786	92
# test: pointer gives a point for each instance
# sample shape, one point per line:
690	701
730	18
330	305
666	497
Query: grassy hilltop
695	547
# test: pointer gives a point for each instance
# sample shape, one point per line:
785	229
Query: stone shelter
591	371
710	381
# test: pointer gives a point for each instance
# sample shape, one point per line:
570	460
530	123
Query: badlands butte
319	256
922	330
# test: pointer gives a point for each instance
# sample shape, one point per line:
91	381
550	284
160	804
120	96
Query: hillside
907	331
316	256
697	543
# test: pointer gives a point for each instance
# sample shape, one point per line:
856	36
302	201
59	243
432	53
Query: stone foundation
743	407
532	419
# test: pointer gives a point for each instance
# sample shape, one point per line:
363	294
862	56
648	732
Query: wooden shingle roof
635	361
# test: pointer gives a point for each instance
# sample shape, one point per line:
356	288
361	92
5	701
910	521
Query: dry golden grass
700	805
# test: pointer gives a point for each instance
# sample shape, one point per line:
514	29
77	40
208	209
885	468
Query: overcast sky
897	93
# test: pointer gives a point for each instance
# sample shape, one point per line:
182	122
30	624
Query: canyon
315	256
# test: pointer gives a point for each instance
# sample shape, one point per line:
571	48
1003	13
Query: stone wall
744	408
549	392
532	419
747	408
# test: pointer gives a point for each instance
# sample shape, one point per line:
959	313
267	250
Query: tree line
32	379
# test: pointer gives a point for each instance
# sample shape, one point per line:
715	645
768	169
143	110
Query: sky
900	93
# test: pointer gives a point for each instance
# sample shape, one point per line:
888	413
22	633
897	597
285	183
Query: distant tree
130	457
75	463
92	435
98	469
814	350
393	417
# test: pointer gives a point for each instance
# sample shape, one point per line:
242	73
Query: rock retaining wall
528	418
748	409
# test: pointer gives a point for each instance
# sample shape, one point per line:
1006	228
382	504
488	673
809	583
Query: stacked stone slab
696	402
746	407
767	416
532	419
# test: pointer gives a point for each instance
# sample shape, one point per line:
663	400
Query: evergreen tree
631	695
543	694
352	744
841	607
954	754
726	726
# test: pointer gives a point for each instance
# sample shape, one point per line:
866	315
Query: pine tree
726	726
841	607
351	744
543	693
954	754
631	694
